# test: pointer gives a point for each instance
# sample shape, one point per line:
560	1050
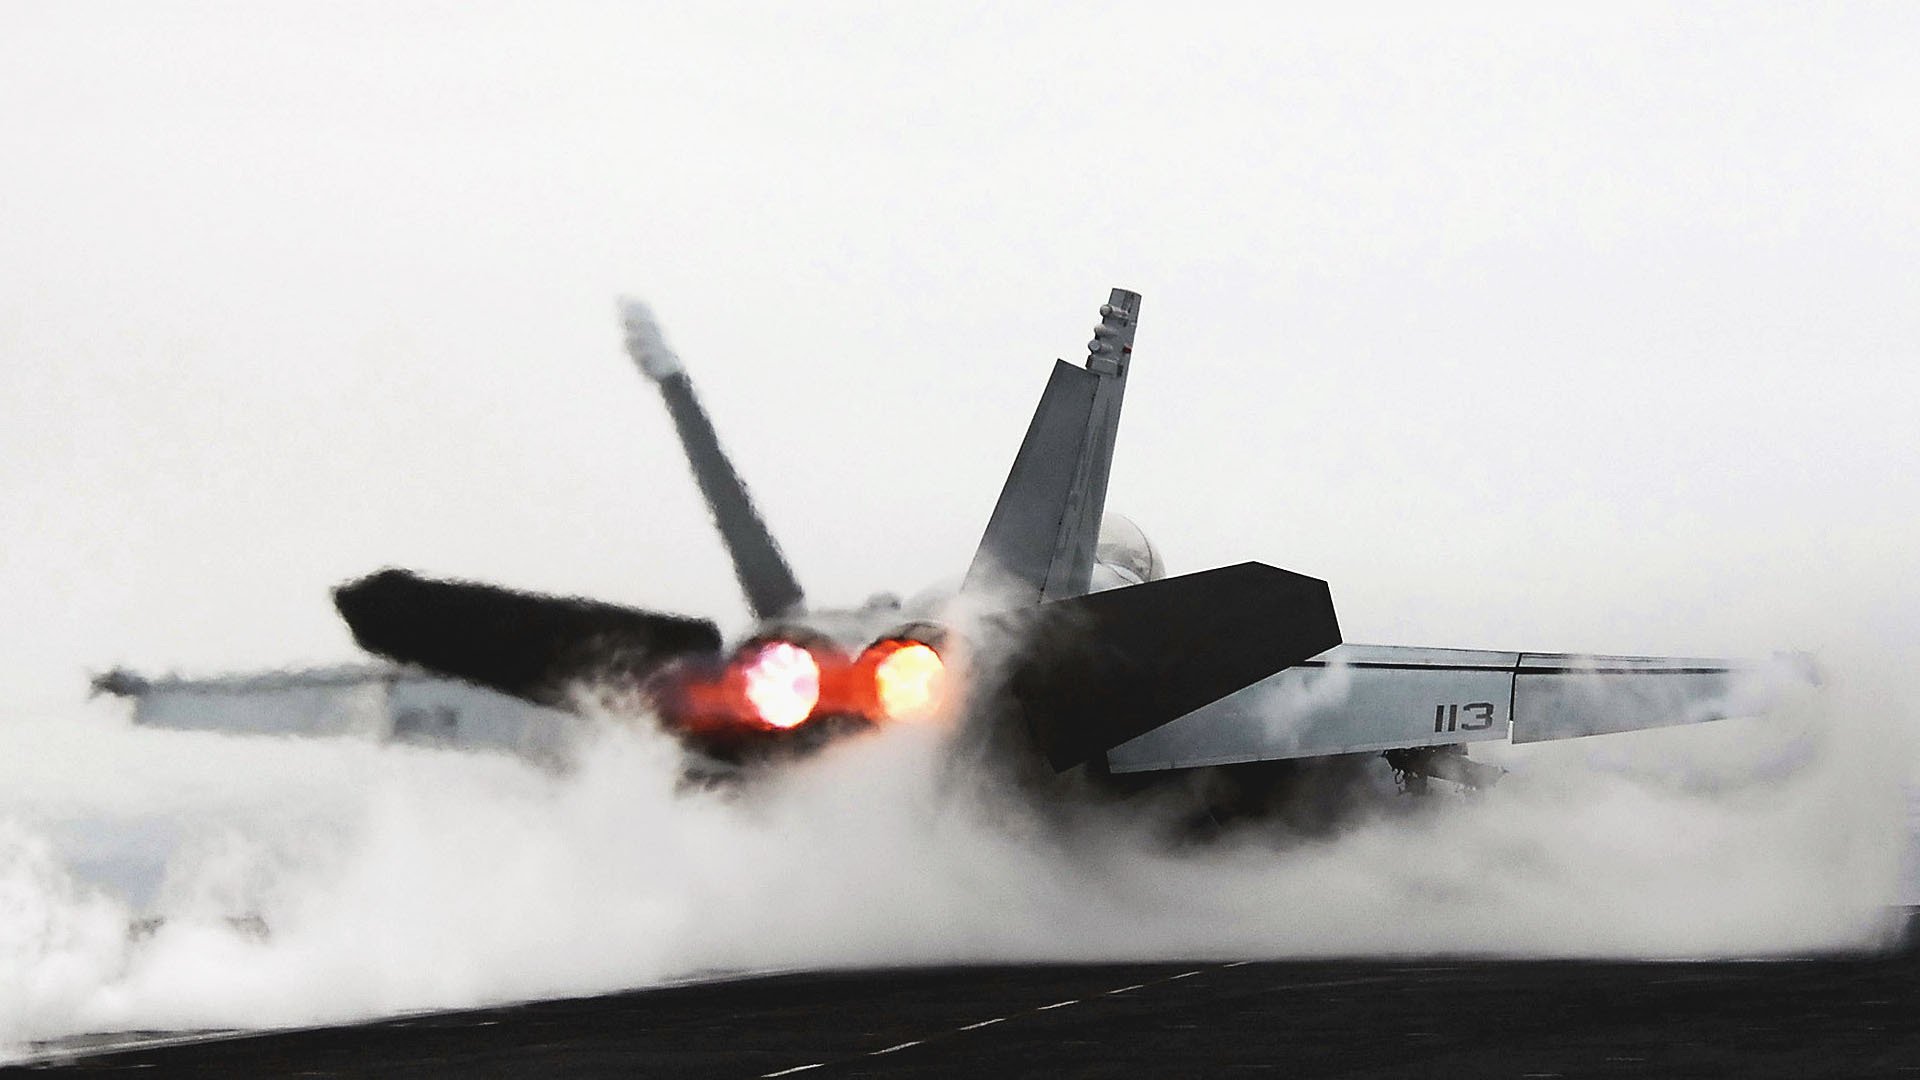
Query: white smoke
392	878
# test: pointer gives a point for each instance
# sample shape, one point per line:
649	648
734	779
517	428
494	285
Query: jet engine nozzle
909	680
781	680
904	675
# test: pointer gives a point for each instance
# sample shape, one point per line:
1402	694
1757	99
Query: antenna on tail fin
763	572
1040	541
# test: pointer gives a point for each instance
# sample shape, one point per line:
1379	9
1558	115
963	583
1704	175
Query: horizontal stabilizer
1103	668
524	644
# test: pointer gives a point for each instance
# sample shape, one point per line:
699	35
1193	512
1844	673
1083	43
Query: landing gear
1414	766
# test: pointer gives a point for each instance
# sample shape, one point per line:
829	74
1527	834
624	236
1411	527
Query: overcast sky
1589	330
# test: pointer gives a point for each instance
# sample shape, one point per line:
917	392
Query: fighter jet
1065	630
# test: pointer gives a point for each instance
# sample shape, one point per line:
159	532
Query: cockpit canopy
1124	555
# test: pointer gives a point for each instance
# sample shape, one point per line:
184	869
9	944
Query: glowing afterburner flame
907	680
783	683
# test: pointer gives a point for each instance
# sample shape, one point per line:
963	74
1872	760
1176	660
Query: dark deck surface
1841	1017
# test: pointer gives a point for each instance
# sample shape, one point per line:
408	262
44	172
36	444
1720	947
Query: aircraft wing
1370	698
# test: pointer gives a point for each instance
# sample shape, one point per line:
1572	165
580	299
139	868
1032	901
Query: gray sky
1589	329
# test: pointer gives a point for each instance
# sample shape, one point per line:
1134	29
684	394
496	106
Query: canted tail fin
762	570
1039	543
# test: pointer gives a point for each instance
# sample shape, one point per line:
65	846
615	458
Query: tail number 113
1447	717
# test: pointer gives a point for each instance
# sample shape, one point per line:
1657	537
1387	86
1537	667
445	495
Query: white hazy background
1588	331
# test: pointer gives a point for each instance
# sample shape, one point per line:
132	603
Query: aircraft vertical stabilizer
1039	543
763	572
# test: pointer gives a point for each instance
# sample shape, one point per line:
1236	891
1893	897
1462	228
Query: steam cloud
392	878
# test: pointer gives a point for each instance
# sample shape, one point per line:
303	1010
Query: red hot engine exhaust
783	691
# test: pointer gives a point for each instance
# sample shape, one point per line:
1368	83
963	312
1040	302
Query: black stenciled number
1447	717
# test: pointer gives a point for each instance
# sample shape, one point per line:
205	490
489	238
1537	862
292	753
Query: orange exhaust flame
907	679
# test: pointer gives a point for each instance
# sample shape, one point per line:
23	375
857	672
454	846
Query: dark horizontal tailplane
1100	669
524	644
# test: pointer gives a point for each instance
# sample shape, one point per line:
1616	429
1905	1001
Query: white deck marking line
1238	963
1330	982
977	1025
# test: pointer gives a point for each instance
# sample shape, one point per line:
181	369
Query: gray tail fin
763	572
1040	540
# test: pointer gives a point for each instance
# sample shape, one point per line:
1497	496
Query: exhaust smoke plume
310	880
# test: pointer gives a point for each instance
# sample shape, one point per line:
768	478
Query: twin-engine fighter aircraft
1100	659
